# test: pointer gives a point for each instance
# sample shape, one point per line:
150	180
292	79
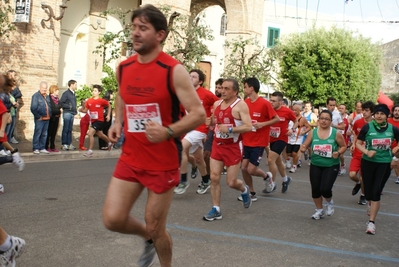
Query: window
223	25
272	37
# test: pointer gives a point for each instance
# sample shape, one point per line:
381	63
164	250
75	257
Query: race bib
223	135
275	132
323	150
138	115
381	144
94	115
253	122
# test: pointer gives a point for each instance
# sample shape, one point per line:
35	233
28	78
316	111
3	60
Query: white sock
285	178
217	208
6	245
246	190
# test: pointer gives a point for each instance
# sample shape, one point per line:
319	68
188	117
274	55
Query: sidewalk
25	149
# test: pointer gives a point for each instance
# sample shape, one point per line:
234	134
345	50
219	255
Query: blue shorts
254	154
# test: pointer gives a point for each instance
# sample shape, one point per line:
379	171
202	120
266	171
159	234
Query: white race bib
275	132
253	128
223	135
381	144
138	115
93	115
323	150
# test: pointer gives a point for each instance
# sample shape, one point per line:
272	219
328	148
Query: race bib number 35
381	144
323	150
138	115
221	135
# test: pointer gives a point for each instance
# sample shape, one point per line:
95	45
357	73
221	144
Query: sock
372	221
217	208
320	210
253	193
362	195
90	151
149	241
183	177
245	191
6	245
285	179
331	202
205	179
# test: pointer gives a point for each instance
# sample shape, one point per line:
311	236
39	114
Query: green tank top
322	149
380	142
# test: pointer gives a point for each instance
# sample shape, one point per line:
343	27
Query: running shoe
269	183
288	164
246	198
397	181
181	188
110	145
18	161
203	187
7	259
44	151
147	258
330	208
319	214
36	151
356	189
299	165
213	215
370	228
254	198
306	155
14	141
88	154
293	169
1	189
194	172
362	200
286	184
65	147
71	147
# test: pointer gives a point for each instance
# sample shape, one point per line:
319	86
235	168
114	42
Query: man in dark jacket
68	104
41	110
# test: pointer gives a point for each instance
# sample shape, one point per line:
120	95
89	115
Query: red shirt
357	126
96	108
207	99
225	116
260	111
279	130
3	110
148	93
394	123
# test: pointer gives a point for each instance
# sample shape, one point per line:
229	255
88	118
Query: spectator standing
41	110
55	118
68	104
16	93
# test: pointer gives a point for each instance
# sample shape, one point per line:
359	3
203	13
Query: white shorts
196	140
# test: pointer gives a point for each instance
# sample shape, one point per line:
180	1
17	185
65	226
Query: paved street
56	207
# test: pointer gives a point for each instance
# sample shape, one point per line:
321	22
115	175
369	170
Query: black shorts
292	148
97	125
278	146
254	154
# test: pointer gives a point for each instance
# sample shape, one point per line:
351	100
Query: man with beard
394	120
151	87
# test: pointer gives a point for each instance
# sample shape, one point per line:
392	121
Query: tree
5	24
321	63
242	63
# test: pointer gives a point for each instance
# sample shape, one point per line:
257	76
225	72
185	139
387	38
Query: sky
366	16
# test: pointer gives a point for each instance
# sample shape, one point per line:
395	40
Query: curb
68	155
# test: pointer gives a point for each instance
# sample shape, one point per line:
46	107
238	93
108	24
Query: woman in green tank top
327	145
377	159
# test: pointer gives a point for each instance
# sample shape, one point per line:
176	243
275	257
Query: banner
22	11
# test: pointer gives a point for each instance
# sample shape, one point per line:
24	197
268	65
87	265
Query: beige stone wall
33	51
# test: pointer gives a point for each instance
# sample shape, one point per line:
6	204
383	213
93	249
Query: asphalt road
56	207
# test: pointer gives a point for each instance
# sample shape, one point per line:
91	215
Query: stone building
390	78
56	44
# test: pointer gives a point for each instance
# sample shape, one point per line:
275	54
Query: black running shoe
356	189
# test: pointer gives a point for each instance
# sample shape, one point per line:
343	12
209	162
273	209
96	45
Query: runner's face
358	108
324	120
227	91
96	93
366	113
342	109
396	113
308	107
248	90
331	105
297	110
276	102
218	90
380	117
145	37
195	79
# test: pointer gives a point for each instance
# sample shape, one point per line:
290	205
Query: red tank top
225	117
147	92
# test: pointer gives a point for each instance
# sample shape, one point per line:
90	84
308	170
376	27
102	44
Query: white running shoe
88	154
293	169
330	208
269	182
319	214
1	189
3	153
181	188
44	151
7	259
288	164
14	141
18	161
370	228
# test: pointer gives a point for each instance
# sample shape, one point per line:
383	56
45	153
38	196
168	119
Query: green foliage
321	63
109	81
82	94
245	59
5	25
186	38
394	98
